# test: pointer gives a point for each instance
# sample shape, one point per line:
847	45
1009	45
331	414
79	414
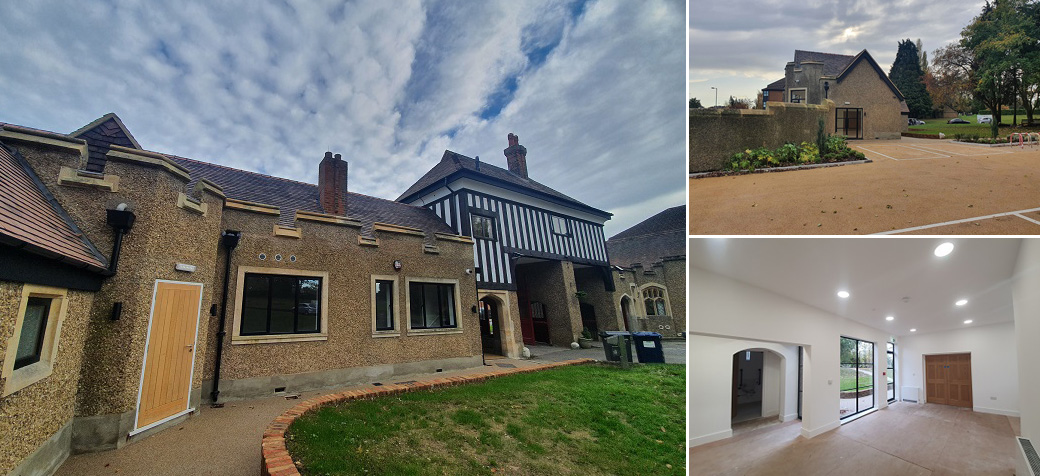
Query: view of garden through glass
857	376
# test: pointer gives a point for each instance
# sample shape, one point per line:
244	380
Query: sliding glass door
857	377
891	373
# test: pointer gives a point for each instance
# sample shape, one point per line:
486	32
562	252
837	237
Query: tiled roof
833	64
452	163
779	84
30	218
660	236
289	196
100	134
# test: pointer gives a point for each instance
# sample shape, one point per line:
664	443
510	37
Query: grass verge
586	419
935	126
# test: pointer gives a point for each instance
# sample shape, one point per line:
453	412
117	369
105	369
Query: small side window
384	305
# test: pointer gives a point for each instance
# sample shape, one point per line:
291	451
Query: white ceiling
878	273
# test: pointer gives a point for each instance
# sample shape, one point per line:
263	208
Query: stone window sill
273	339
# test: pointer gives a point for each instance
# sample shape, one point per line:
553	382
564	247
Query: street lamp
716	96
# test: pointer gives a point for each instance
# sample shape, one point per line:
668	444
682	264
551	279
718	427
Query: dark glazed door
848	121
490	334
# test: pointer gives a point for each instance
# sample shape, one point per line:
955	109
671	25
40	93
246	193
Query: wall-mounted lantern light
397	264
826	89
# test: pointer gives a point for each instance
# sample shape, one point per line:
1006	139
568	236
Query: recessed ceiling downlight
843	294
890	318
961	302
969	321
913	330
944	249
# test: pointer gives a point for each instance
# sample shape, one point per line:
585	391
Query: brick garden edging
276	459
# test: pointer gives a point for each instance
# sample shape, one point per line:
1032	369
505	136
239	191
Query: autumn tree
951	74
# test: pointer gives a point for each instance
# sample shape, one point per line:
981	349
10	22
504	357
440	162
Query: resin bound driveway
913	186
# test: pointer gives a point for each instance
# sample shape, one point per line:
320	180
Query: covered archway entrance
490	325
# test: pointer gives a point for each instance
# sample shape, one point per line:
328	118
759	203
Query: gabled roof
778	85
454	165
102	133
833	64
31	219
865	56
650	241
289	196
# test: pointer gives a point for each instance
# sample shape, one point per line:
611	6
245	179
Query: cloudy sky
740	46
593	88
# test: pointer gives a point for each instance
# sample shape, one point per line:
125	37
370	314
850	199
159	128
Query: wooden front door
169	352
948	379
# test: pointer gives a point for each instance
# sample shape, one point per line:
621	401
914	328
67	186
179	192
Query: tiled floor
904	439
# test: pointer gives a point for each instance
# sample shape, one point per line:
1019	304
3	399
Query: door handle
190	348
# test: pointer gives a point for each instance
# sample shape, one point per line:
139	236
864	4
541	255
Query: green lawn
585	419
935	126
848	380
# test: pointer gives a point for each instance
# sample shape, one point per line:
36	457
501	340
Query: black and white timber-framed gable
509	216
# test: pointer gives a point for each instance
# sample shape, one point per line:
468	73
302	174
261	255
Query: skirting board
821	430
703	440
995	411
787	418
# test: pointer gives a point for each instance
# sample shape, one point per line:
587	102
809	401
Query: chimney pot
332	184
516	156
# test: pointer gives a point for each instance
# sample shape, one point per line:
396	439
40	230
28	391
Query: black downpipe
122	221
230	240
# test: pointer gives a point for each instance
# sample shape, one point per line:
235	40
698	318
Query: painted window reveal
384	305
34	328
483	227
281	304
891	371
653	298
432	305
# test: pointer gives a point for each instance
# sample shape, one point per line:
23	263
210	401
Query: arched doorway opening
626	312
490	326
757	389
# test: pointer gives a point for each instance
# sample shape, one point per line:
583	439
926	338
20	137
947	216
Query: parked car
915	122
985	120
957	120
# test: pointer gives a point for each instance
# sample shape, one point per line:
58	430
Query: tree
924	56
907	75
950	80
1003	40
695	103
738	103
760	101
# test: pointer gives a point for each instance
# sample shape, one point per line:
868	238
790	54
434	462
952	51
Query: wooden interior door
948	379
935	379
170	352
959	378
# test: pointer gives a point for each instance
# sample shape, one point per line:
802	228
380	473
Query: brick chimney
516	156
332	184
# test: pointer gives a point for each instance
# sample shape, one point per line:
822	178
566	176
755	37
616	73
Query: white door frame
144	360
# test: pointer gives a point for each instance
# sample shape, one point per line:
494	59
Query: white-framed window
798	95
559	225
280	305
385	320
433	306
34	344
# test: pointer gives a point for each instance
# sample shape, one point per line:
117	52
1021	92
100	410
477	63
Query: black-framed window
384	305
280	304
559	225
891	374
34	330
432	305
857	377
483	227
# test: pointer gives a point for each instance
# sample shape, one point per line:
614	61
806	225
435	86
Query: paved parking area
913	186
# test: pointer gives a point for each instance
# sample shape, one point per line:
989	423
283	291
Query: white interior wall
1026	300
723	307
994	363
771	369
710	384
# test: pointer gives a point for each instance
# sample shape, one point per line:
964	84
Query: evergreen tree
907	75
695	103
924	56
